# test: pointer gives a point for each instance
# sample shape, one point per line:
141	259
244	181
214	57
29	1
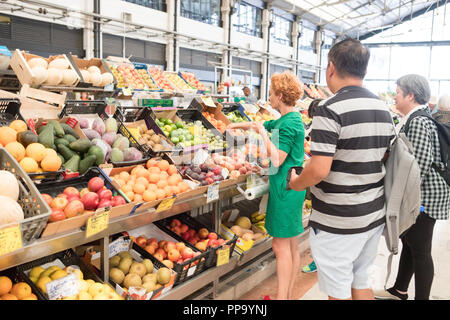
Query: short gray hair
444	103
417	85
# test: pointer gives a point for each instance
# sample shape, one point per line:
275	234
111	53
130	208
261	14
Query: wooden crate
81	64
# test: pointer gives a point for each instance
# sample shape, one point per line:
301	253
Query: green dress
285	207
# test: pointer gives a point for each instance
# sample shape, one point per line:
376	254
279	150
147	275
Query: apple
180	246
168	263
217	171
150	249
180	261
187	253
95	184
201	245
74	208
90	200
175	223
169	246
186	236
59	203
212	235
105	194
57	215
105	203
150	241
195	239
203	233
184	228
71	198
47	198
71	191
83	192
118	201
141	241
173	254
220	241
162	252
213	243
177	230
161	244
159	256
192	232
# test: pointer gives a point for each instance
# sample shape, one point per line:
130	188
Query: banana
260	217
253	215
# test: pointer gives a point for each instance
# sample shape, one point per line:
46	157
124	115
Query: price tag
223	256
166	204
64	287
97	223
200	156
126	91
134	132
10	239
213	193
225	173
191	271
208	101
109	87
251	108
118	246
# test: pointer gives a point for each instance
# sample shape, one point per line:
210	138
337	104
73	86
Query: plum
109	137
99	126
84	123
91	134
132	154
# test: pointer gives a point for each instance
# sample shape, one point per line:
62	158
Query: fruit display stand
142	70
84	68
192	80
161	81
178	82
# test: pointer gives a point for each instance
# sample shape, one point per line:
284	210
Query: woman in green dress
285	149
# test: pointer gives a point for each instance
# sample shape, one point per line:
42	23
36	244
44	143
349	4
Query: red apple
90	200
59	203
57	215
173	255
161	244
201	245
150	249
105	203
159	256
83	192
71	198
95	184
47	198
162	252
209	180
175	223
141	241
180	246
184	228
104	194
192	232
169	246
220	241
187	253
186	236
177	230
213	243
212	235
71	191
152	240
74	208
118	201
203	233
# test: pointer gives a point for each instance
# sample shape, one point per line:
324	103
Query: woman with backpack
413	92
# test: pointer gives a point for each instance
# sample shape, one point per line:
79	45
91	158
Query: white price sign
118	246
213	193
200	156
64	287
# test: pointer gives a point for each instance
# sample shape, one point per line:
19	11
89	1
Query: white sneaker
386	295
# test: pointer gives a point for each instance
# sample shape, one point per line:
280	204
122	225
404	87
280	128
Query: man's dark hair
350	58
312	106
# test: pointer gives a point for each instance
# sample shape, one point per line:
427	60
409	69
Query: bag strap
389	269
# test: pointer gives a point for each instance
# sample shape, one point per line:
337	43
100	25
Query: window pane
406	60
378	67
154	4
440	68
306	40
207	11
248	20
281	30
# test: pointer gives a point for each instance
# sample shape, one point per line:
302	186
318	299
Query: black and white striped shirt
355	128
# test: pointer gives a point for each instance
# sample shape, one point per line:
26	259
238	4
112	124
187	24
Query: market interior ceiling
357	18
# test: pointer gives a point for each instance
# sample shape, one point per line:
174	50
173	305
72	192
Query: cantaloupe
11	211
86	76
59	63
55	76
37	62
40	75
243	222
69	77
107	78
94	69
96	79
9	187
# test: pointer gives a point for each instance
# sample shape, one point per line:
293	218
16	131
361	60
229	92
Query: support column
318	43
226	25
266	48
295	34
172	47
88	31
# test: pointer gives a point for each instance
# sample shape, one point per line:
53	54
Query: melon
86	75
55	76
94	69
11	211
60	63
107	78
9	187
69	77
243	222
96	79
37	62
40	75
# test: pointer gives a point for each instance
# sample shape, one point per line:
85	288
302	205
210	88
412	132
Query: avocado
65	152
81	145
73	163
69	130
62	141
46	136
58	128
98	153
61	157
27	137
69	138
86	163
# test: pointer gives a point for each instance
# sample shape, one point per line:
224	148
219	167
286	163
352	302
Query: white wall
246	41
281	50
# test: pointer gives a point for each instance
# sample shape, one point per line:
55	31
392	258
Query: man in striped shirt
350	134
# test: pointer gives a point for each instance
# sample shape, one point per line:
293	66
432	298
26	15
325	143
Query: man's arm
317	169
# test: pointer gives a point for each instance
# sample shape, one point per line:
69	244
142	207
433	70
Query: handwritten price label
97	223
213	193
223	256
64	287
10	239
166	205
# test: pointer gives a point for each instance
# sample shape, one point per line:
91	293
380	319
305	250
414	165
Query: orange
154	178
151	163
164	175
184	186
168	190
154	170
141	172
130	195
125	176
152	187
29	165
31	297
127	188
163	165
21	290
5	285
50	151
142	180
149	196
176	189
16	149
18	126
120	182
173	180
7	135
138	198
138	188
160	194
51	163
178	176
8	296
161	184
133	171
172	170
35	151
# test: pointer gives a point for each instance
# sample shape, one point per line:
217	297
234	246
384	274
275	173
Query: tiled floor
307	288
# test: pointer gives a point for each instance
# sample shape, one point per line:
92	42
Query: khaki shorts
343	260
